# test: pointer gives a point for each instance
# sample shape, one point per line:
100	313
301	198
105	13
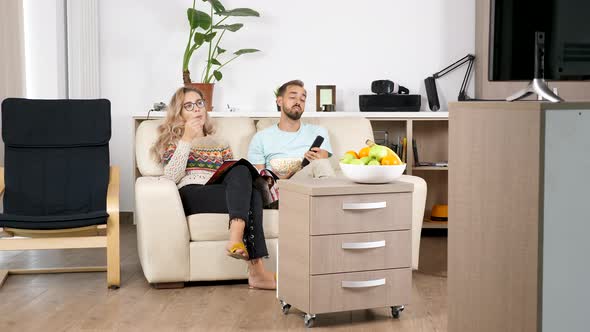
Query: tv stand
538	86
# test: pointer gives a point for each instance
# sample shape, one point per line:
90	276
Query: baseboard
126	218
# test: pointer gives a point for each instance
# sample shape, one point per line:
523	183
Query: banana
389	151
371	143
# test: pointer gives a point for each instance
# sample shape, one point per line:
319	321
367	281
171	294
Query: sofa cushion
236	131
213	226
347	133
265	123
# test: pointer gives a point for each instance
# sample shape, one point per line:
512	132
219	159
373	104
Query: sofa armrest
162	231
418	204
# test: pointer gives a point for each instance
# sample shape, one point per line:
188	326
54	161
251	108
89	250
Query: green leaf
239	12
209	37
220	50
215	62
245	51
217	6
231	27
218	75
198	18
199	38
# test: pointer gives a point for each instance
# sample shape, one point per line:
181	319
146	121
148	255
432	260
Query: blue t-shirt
272	143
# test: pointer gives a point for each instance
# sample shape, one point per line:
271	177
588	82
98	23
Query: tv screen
566	24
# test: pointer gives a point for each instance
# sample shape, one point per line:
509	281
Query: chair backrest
56	162
238	133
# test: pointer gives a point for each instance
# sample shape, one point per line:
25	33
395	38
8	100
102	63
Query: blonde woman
191	155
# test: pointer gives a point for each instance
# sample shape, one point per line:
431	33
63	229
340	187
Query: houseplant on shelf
207	34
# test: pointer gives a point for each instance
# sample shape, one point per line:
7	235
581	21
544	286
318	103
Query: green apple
356	162
377	152
374	162
365	160
347	159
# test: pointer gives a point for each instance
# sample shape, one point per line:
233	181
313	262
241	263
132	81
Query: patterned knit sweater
194	163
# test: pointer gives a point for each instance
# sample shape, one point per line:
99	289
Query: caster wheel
309	320
285	307
396	311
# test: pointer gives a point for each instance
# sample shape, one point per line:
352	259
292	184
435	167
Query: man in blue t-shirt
290	137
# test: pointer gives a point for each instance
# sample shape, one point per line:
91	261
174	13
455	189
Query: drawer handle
363	245
364	206
363	284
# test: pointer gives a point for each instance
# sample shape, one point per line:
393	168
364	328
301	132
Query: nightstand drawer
360	213
360	252
360	290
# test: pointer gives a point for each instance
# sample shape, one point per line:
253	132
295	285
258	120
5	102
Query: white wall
345	43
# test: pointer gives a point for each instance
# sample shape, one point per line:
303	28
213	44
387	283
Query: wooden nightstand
344	246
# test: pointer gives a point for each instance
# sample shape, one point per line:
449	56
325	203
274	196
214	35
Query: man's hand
316	153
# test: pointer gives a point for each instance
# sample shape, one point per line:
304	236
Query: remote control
316	144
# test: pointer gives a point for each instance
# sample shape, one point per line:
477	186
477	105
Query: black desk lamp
431	92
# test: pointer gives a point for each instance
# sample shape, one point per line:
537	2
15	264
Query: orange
352	153
364	152
391	160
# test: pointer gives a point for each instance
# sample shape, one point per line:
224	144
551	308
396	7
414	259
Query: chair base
3	276
5	273
113	261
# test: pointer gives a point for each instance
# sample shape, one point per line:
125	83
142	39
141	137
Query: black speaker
390	103
432	94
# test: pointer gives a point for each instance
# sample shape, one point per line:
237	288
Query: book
404	149
227	165
415	150
434	164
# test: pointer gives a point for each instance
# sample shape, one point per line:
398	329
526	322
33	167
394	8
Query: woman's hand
193	128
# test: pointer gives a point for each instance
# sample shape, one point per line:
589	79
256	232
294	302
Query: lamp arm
458	63
462	95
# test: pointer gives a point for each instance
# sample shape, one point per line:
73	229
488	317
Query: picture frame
325	95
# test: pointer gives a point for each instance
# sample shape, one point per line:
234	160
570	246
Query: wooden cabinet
344	246
518	201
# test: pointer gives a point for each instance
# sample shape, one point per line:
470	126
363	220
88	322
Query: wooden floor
81	301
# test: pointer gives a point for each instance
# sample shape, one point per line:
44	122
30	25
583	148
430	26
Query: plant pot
207	90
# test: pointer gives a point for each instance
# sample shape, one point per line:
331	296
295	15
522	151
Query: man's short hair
281	91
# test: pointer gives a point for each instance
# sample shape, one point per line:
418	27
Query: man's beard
293	115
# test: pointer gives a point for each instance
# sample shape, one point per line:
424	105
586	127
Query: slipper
233	252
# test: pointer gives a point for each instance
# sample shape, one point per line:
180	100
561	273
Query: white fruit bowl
372	173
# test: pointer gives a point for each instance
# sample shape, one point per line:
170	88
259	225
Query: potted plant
207	33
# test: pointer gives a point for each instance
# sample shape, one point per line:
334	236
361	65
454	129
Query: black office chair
59	191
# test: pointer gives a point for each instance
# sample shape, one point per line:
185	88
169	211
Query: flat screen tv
566	24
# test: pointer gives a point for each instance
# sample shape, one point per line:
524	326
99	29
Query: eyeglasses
191	106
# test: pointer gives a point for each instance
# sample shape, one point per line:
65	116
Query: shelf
429	224
430	168
393	116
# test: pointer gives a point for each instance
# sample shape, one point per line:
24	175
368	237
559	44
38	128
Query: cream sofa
175	248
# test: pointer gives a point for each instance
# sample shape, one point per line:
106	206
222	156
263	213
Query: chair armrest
162	231
2	185
113	195
113	230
